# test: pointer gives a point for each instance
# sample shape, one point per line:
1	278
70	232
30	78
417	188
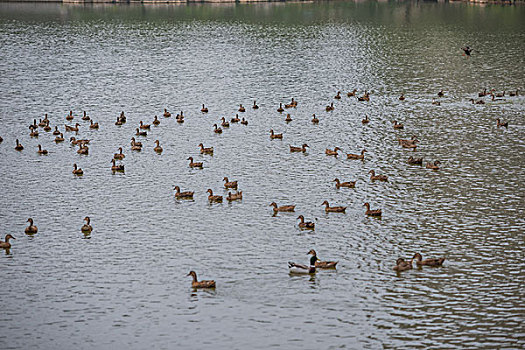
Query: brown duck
356	156
348	184
428	261
402	265
202	284
285	208
183	195
376	212
212	198
330	209
322	264
308	225
375	177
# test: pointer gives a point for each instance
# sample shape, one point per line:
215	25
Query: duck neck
313	259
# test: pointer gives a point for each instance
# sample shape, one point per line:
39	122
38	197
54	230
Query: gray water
126	286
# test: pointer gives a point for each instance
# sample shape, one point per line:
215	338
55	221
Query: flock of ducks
142	130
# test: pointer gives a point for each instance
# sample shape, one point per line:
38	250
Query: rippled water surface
126	286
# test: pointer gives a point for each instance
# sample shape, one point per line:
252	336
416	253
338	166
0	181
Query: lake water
126	286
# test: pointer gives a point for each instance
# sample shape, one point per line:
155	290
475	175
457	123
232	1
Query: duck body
204	109
376	212
356	156
330	107
83	149
166	114
217	130
5	244
18	146
275	136
120	155
333	152
500	123
322	264
229	184
433	165
144	126
366	120
224	123
155	121
59	138
298	149
93	125
330	209
116	167
234	197
31	229
235	119
397	126
157	148
72	128
140	133
305	225
428	261
200	284
41	151
351	93
375	177
255	105
86	228
348	184
194	164
300	269
402	265
315	120
77	171
213	198
183	195
415	161
244	121
205	150
283	208
241	108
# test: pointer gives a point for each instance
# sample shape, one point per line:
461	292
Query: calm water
127	285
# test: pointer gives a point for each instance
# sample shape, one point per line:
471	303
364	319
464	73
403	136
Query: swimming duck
412	141
499	94
166	113
330	107
234	197
56	132
212	198
75	142
118	122
398	126
275	136
47	128
376	212
315	120
86	228
204	109
241	108
70	116
235	119
351	93
441	93
402	97
217	129
201	284
122	117
59	138
402	265
374	177
338	96
93	125
224	123
330	209
500	123
415	161
135	143
183	195
517	93
308	225
83	149
366	120
155	121
34	132
6	244
302	269
365	97
157	148
479	102
206	150
116	167
483	94
348	184
299	149
288	118
322	264
244	121
136	146
330	152
144	126
119	155
41	151
436	103
85	116
433	166
255	105
194	164
429	261
77	171
72	128
18	146
229	184
280	109
140	133
292	104
180	118
31	229
356	156
286	208
493	98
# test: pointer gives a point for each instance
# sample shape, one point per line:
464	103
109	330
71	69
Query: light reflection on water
127	284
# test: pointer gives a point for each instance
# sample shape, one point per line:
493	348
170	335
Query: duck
183	195
322	264
205	150
398	126
6	244
376	212
244	121
433	166
85	116
116	167
136	146
77	171
18	146
194	164
122	117
166	113
374	177
285	208
493	98
212	198
415	161
288	118
72	128
299	149
402	265
402	97
441	93
483	93
356	156
202	284
280	109
70	116
348	184
86	228
93	125
479	102
41	151
43	122
229	184
235	119
500	123
330	107
333	152
234	197
204	109
338	95
140	133
217	130
180	118
155	121
75	142
351	93
34	132
302	269
366	120
275	136
241	108
365	97
429	261
157	148
118	122
315	120
436	103
517	93
308	225
135	143
59	138
330	209
411	141
119	155
224	123
56	132
31	229
292	104
83	149
255	105
499	94
47	128
144	126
